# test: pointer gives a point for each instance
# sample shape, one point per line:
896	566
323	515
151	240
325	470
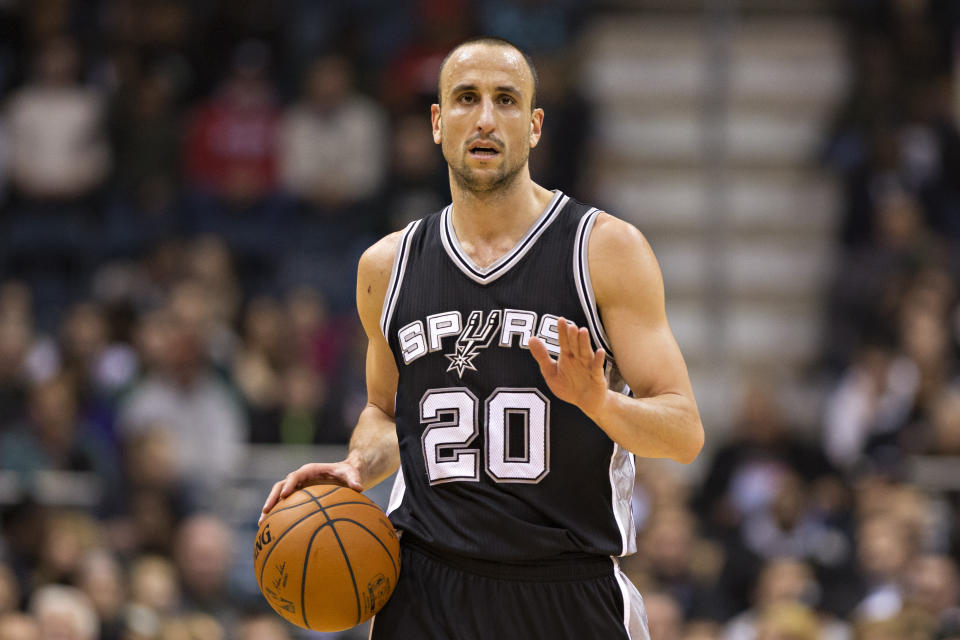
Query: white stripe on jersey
634	613
581	277
396	278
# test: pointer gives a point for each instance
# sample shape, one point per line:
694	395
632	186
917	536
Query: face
484	123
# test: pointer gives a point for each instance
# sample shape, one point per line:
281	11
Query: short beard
468	179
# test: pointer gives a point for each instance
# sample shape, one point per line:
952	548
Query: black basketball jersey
494	465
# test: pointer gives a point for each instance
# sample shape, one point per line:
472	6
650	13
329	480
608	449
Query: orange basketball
326	558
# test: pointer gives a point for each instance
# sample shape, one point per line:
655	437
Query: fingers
340	473
574	342
583	341
290	484
563	338
272	499
599	359
352	478
539	352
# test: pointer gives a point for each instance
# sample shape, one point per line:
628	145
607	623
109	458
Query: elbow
692	444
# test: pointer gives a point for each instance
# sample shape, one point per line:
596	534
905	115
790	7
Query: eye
506	99
466	98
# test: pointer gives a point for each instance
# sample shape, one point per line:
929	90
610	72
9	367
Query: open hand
576	376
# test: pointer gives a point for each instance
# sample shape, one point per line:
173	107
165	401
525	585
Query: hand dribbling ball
326	558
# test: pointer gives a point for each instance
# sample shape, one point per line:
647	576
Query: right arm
374	453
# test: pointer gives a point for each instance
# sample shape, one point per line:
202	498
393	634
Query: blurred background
186	187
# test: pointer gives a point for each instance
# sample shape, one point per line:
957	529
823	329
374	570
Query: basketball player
519	357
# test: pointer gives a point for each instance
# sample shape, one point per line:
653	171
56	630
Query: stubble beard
471	180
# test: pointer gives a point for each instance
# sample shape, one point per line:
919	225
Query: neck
502	214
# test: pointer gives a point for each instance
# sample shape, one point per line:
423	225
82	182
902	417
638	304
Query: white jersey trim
396	277
397	492
503	264
634	613
622	477
581	277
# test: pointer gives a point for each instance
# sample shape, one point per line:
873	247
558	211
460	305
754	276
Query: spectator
193	626
210	265
320	336
16	334
933	587
534	25
196	304
886	550
154	585
101	578
203	553
68	536
259	363
788	621
418	181
263	627
702	630
872	397
559	161
63	613
664	616
333	142
680	563
658	486
147	132
744	474
411	75
945	439
9	591
86	353
140	623
55	437
231	139
783	580
58	146
180	393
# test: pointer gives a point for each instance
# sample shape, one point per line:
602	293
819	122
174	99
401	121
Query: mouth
483	150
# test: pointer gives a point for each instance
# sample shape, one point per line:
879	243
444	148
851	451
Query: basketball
326	558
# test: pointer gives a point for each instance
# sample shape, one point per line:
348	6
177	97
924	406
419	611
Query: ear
435	121
536	126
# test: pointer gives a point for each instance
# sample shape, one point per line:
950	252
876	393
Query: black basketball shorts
443	598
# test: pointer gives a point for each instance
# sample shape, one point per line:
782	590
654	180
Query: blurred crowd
185	188
848	528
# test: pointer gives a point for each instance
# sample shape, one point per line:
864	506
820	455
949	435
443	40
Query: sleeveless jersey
493	465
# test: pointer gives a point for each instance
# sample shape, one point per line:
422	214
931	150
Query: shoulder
373	276
611	234
621	258
377	261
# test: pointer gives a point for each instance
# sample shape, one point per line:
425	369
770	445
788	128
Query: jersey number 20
452	419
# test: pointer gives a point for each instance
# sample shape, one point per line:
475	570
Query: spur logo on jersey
421	337
475	336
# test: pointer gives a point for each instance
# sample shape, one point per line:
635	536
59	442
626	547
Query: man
516	468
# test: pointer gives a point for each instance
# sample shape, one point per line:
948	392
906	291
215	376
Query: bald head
489	41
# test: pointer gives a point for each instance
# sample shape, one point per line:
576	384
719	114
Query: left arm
662	421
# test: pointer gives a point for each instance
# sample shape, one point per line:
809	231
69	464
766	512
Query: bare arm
662	420
373	453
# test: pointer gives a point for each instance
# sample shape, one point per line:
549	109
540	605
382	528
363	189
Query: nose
486	122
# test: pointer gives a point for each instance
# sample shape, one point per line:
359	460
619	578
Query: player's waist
560	569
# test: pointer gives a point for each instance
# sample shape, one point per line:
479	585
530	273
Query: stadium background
186	186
